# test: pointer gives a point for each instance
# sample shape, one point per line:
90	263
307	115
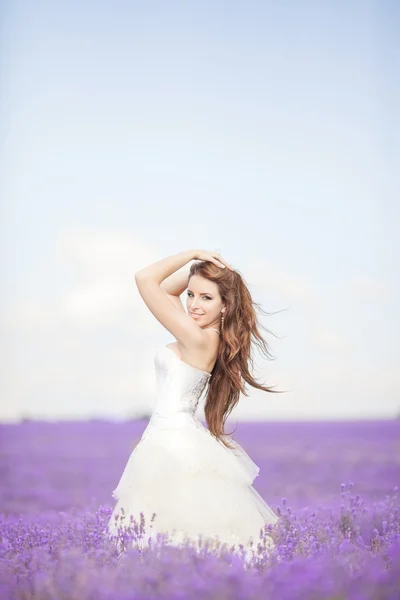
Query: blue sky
133	131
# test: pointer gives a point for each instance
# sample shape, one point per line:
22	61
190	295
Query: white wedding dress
178	470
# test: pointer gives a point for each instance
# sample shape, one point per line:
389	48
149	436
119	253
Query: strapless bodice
179	387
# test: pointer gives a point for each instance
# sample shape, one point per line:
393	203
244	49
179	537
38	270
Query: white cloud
103	291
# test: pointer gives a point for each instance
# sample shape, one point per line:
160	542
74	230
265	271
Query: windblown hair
231	367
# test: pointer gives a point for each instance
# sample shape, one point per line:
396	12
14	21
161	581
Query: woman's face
203	301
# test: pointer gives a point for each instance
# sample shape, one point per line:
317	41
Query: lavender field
334	486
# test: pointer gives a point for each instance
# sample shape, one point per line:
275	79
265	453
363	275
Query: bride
189	481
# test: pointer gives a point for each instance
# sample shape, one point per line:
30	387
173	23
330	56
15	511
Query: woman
195	481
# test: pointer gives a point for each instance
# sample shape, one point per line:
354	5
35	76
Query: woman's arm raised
163	268
149	283
175	285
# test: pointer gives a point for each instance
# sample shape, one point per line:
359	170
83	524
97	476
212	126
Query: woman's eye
206	297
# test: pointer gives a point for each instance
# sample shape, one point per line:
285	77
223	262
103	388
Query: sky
132	131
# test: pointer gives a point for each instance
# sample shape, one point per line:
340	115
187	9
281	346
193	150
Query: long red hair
231	370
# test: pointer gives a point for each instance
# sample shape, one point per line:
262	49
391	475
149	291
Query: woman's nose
194	304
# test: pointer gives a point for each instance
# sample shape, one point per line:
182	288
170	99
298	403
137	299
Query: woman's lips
195	316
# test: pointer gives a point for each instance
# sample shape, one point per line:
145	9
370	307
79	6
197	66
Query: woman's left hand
214	257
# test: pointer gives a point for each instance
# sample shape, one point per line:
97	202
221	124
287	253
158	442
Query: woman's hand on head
214	257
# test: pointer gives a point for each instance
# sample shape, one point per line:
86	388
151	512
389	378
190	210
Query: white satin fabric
178	470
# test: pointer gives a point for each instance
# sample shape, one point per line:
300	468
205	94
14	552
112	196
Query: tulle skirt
197	487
